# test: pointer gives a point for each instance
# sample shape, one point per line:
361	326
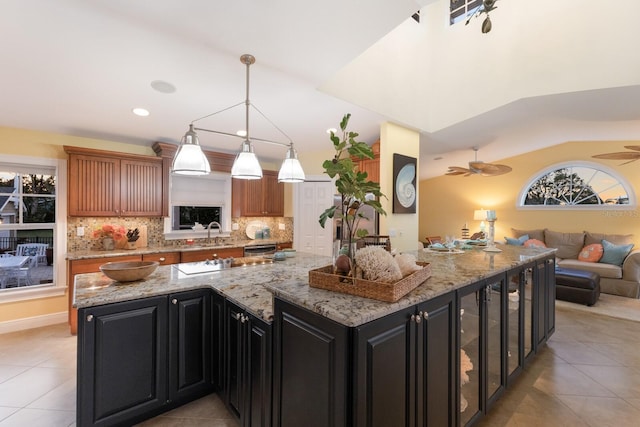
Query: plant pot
131	245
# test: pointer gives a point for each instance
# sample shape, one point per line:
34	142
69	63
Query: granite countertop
253	287
161	249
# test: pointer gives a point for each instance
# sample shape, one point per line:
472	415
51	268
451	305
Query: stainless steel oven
262	249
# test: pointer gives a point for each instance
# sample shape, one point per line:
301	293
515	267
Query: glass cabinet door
470	347
494	293
514	337
527	296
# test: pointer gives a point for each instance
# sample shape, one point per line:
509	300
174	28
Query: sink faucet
209	230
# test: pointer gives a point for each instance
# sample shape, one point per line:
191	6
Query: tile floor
588	375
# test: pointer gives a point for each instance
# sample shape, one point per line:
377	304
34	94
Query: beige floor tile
559	380
580	353
6	411
61	398
39	418
623	381
210	407
603	412
9	371
30	385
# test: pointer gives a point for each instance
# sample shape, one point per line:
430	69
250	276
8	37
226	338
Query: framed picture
404	184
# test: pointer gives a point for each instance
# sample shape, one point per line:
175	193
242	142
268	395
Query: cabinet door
550	287
436	362
141	187
189	345
515	322
94	186
540	304
258	373
372	168
495	299
234	359
310	366
122	361
217	341
272	194
385	370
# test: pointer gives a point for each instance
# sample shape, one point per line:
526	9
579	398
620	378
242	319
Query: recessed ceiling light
334	130
241	133
162	86
140	112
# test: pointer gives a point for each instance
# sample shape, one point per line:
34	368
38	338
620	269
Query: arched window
577	185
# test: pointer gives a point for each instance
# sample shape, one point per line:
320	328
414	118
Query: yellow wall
447	202
47	145
397	139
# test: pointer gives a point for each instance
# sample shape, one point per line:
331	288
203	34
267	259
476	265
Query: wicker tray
323	278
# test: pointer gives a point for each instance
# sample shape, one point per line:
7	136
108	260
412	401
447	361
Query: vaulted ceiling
547	73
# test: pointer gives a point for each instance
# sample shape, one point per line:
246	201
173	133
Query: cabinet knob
89	317
214	256
425	315
162	259
174	301
416	319
237	316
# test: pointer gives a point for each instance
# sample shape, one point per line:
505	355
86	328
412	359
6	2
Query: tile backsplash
154	226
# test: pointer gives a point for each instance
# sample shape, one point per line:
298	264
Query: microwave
185	217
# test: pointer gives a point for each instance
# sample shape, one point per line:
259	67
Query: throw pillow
537	234
614	254
591	253
517	241
568	245
534	243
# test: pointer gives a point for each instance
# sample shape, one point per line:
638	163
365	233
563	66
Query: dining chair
377	240
35	250
22	274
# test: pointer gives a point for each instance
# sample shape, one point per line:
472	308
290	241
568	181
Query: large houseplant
353	186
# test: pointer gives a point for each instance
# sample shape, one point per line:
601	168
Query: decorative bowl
128	271
290	253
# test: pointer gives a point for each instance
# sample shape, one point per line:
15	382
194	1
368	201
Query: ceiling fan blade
632	147
489	169
618	156
457	170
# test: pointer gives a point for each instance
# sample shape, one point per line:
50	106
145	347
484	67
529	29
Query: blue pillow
517	241
614	254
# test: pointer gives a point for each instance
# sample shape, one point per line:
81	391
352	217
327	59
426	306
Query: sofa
609	255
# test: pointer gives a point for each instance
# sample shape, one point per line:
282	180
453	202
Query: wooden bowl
128	271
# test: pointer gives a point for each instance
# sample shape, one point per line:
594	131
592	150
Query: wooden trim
219	162
104	153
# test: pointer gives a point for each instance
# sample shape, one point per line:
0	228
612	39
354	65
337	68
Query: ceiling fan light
291	169
189	159
486	25
246	165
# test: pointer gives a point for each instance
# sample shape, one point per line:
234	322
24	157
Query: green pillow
517	241
614	254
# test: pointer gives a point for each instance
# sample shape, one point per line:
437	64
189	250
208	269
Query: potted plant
132	238
355	192
108	234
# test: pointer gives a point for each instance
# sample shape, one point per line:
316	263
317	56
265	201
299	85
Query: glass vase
108	244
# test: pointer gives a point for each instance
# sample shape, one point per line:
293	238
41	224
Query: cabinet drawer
164	258
204	254
93	265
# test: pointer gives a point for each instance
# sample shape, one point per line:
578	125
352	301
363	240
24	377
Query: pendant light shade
291	170
246	165
189	159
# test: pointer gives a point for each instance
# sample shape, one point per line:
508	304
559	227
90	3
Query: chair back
377	240
431	240
32	249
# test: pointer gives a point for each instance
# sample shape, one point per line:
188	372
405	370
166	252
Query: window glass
461	9
576	185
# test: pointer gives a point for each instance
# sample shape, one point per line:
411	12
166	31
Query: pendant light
291	170
189	159
246	165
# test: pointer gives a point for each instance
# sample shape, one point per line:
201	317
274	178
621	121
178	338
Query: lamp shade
246	165
479	215
291	170
189	159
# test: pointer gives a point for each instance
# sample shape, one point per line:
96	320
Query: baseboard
33	322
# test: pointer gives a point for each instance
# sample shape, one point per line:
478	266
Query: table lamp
480	215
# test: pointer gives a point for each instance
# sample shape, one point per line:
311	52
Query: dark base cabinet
310	369
247	386
139	358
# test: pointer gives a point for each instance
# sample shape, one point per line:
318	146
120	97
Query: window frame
632	205
59	227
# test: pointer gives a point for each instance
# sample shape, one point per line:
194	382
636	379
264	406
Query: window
28	227
580	185
461	9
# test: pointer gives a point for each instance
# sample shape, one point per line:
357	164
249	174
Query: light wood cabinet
258	197
104	183
370	166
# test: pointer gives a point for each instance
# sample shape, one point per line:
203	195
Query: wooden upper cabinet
258	197
370	166
104	183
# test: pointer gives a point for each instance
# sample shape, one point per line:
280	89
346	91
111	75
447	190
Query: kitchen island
282	353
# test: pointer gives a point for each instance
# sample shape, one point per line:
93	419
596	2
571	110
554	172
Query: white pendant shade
291	170
189	159
246	165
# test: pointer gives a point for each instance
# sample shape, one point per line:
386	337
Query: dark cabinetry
405	367
139	358
258	197
310	369
247	386
104	183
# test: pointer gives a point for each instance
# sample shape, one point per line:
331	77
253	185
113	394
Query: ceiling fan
479	168
632	156
486	7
